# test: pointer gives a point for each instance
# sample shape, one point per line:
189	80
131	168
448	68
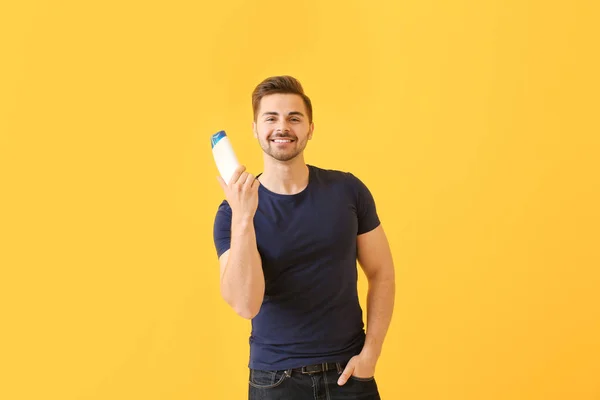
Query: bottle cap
214	139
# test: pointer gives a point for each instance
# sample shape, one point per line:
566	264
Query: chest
292	232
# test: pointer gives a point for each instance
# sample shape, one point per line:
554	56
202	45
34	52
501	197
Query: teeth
282	141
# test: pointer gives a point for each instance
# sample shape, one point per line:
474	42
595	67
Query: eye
296	119
270	119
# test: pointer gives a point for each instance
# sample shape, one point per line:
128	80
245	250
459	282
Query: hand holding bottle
241	193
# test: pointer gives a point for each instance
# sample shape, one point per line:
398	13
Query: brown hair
279	84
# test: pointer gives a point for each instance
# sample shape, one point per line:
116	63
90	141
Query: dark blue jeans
295	385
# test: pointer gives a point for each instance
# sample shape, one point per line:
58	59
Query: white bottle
224	155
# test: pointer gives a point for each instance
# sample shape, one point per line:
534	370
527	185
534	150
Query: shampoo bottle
224	155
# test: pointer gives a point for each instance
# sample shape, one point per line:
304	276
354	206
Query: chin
283	157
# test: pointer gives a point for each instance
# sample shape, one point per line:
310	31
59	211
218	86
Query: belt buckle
315	368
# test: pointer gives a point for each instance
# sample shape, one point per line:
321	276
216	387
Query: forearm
243	282
380	305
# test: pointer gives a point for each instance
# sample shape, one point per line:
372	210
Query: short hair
284	84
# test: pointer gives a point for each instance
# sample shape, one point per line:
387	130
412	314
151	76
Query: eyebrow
276	113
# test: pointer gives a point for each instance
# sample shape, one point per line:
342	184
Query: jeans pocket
266	379
356	378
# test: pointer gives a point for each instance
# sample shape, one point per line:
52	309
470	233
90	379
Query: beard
288	153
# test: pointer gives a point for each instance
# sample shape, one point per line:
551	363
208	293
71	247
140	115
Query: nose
283	127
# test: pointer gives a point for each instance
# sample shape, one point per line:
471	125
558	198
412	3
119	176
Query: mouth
280	140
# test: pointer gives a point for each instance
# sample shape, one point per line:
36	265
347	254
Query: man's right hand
241	193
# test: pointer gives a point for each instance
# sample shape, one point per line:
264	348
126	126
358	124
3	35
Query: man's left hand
361	366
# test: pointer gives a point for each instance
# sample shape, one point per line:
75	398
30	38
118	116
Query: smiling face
282	126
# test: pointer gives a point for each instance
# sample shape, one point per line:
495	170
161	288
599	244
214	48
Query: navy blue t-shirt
307	243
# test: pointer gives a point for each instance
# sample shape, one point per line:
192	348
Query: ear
254	130
310	131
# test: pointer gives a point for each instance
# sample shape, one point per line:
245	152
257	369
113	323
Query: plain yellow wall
474	123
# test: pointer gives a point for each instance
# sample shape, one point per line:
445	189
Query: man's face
282	126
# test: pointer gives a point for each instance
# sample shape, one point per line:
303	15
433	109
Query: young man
288	241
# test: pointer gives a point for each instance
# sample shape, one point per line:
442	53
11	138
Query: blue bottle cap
214	139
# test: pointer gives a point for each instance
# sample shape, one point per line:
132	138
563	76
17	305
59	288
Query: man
288	241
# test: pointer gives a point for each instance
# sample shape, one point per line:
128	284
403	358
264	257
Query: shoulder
224	204
223	209
333	175
222	220
336	176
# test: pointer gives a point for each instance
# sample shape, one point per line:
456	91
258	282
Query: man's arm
242	278
375	258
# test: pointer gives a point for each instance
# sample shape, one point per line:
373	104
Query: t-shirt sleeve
222	228
365	206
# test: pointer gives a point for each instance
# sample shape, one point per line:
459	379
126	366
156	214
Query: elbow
247	312
246	305
245	309
382	276
384	273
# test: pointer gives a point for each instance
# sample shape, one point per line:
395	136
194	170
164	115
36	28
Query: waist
321	367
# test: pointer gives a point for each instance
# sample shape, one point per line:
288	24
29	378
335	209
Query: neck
284	177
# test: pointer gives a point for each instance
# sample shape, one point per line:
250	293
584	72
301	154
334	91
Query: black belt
316	368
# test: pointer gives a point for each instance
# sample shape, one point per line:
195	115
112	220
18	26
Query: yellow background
474	123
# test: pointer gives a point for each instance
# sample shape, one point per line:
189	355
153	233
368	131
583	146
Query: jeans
294	385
